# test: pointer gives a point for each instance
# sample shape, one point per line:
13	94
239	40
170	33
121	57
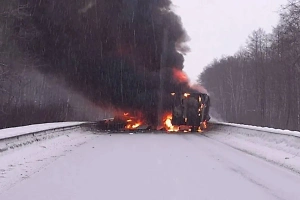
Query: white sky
221	27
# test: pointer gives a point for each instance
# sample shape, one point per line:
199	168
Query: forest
28	96
260	84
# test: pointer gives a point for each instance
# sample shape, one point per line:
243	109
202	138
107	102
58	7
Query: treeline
260	84
29	97
26	95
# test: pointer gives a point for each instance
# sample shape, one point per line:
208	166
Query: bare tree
260	84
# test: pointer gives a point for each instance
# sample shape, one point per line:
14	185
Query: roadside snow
264	129
279	146
13	132
19	165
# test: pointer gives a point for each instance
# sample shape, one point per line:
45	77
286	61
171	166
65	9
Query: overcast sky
221	27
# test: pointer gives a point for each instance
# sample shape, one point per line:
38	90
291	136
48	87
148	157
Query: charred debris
190	113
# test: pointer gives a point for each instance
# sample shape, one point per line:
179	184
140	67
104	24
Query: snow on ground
263	129
12	132
19	165
276	146
142	166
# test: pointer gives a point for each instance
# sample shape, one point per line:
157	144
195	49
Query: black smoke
114	52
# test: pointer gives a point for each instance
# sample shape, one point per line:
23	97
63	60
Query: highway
87	166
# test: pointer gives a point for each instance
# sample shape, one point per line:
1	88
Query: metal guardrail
12	142
261	129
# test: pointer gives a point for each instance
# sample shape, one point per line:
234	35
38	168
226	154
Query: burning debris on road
190	113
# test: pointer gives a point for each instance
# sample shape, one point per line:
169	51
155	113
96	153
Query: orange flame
168	123
180	75
133	126
132	122
171	128
186	94
204	125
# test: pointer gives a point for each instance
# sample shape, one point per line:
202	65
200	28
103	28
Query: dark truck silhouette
190	109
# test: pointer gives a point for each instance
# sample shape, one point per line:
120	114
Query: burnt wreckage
190	111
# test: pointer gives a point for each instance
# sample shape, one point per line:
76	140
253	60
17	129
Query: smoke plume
114	52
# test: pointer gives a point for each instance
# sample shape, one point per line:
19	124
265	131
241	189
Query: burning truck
190	113
190	110
130	72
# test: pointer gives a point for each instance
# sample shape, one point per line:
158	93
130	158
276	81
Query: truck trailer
190	110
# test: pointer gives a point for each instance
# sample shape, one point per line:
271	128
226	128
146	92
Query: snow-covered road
83	166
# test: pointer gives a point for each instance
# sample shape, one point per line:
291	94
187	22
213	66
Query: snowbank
264	129
16	165
22	130
14	138
280	147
